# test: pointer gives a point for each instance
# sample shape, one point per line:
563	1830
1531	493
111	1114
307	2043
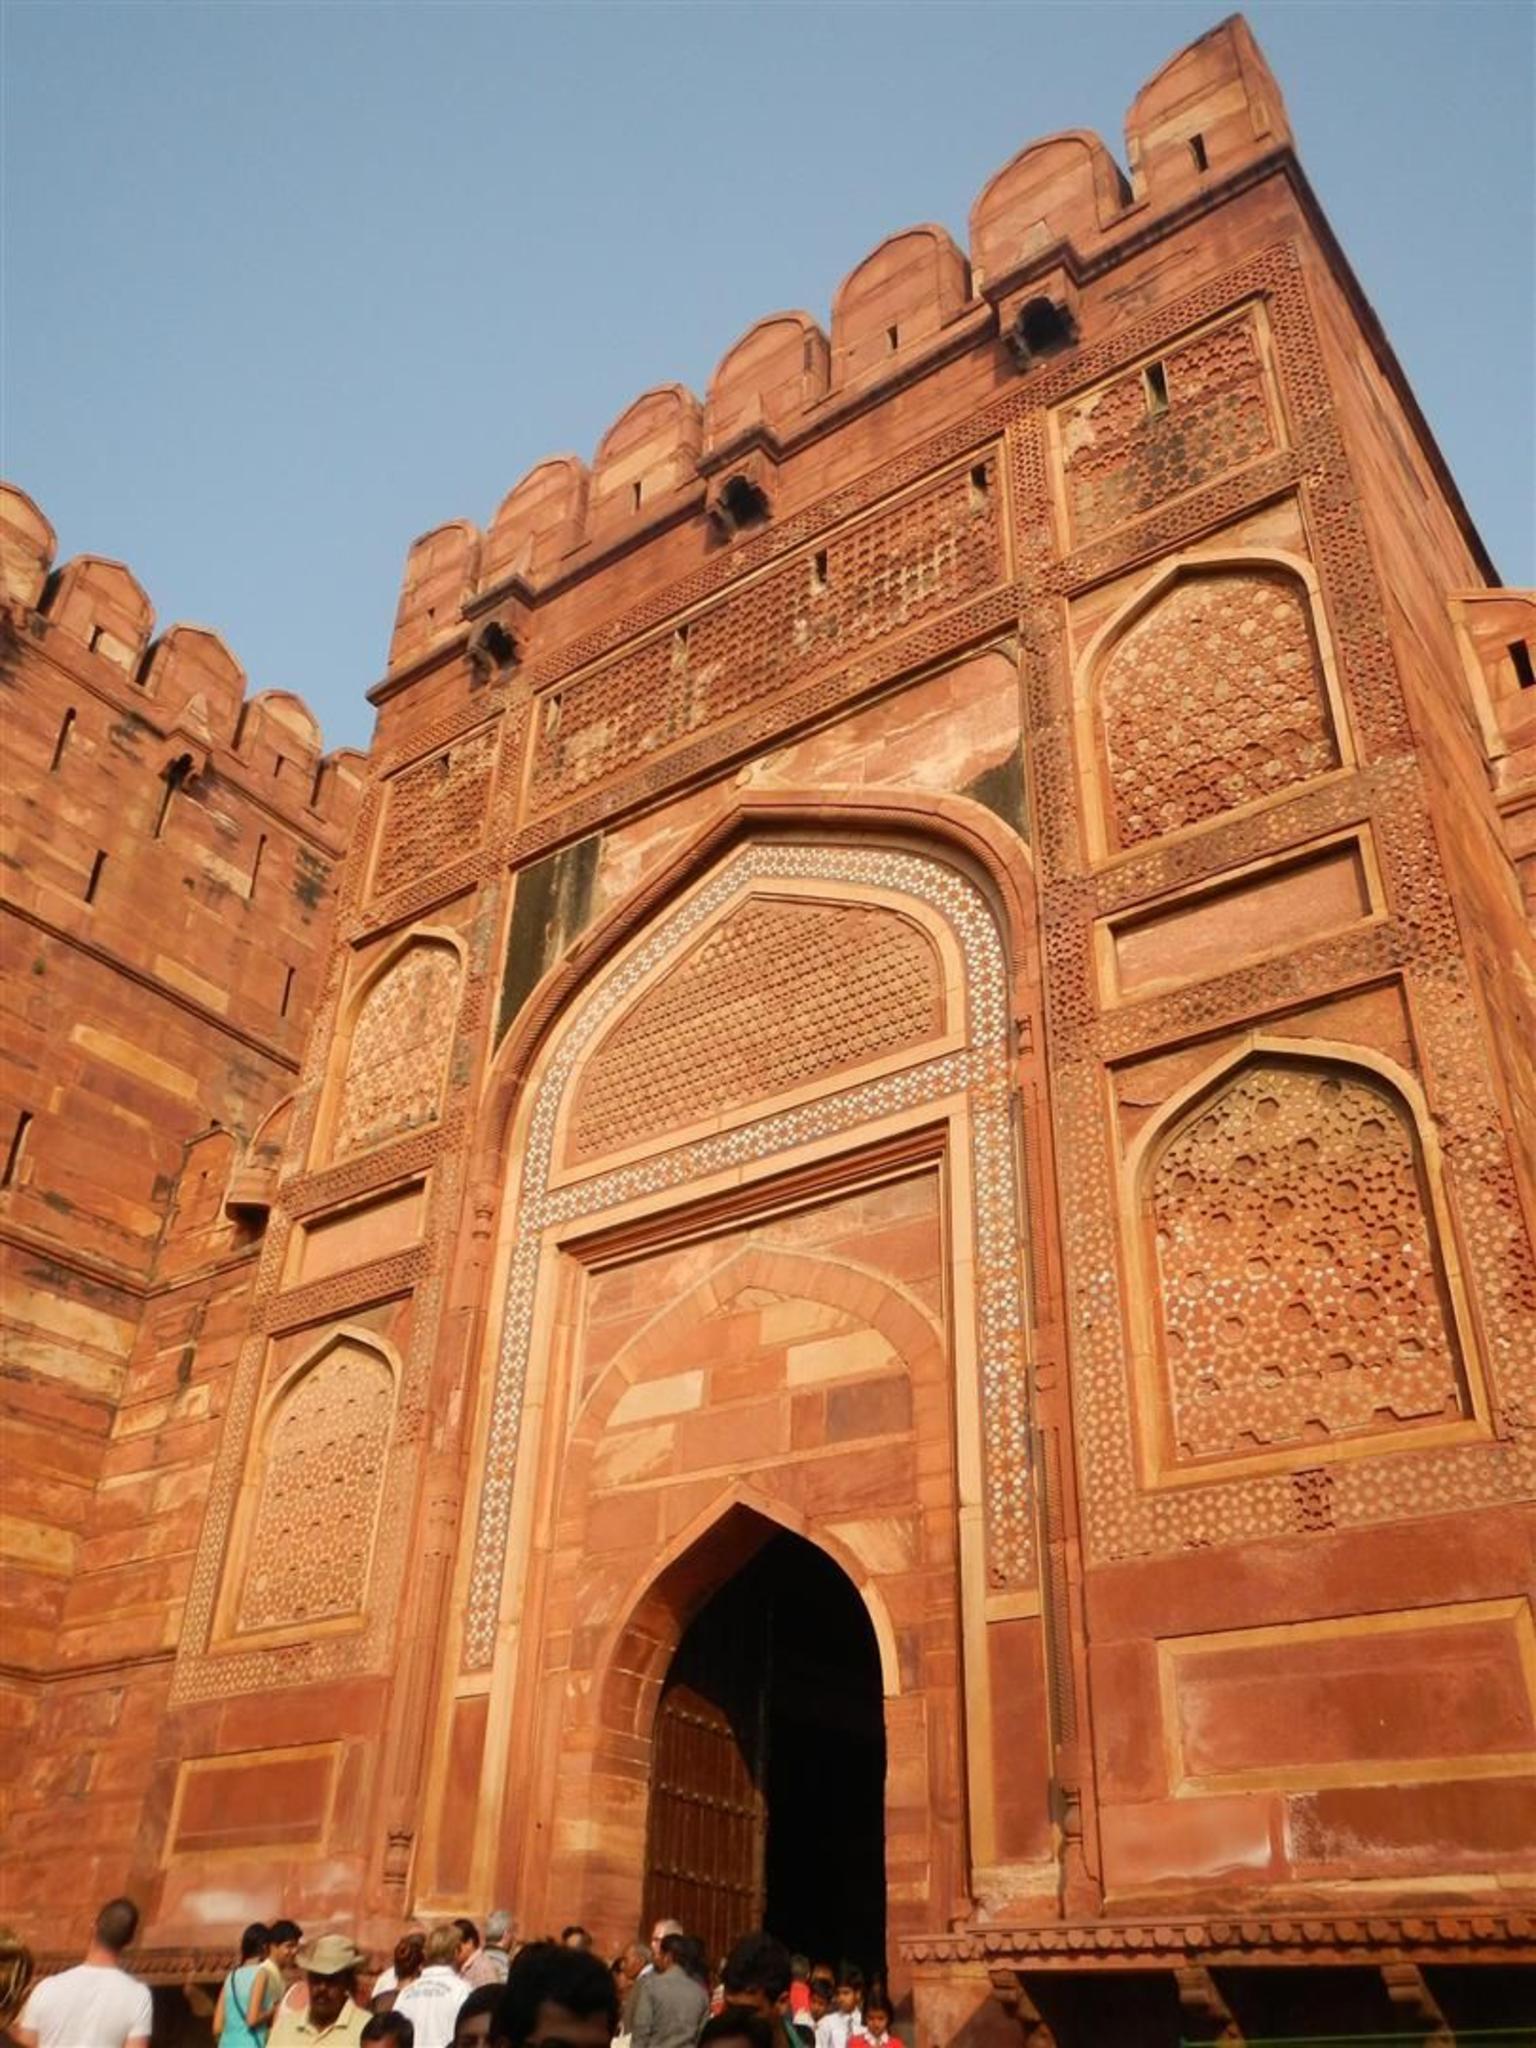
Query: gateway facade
874	1174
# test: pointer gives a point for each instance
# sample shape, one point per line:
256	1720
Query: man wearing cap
330	1965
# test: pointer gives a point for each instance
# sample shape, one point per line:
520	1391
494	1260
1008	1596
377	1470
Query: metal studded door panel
704	1860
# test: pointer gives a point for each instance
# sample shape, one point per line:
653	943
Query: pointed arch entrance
767	1777
760	1250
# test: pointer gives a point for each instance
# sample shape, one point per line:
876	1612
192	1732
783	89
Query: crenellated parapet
172	845
1057	210
188	691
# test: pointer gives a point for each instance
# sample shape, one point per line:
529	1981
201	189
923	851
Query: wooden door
706	1848
707	1831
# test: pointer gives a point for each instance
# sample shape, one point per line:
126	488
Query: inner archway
767	1800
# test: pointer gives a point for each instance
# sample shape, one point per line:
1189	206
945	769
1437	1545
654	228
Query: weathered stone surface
960	987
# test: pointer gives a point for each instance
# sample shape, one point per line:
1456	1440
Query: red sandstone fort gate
882	1157
779	1313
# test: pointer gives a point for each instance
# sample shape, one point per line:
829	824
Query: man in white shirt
431	2001
96	2004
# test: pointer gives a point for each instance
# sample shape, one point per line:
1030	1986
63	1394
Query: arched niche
389	1060
300	1557
936	1117
781	993
1297	1287
1213	689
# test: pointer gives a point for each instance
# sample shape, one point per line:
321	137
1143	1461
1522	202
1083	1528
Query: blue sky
285	284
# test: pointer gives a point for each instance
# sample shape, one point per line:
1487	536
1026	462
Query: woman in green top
249	1995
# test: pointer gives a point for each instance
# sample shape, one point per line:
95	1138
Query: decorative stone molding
1441	1936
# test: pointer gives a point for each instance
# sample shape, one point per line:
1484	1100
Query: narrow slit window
1197	151
981	485
66	726
261	848
279	763
819	570
1520	655
634	495
16	1150
1154	379
287	996
94	883
173	778
892	337
316	787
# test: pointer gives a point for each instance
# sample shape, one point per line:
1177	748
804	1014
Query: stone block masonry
929	970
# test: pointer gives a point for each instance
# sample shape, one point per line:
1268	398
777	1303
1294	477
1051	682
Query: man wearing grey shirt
670	2006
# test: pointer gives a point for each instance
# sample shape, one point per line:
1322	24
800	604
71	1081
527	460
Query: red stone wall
986	845
170	848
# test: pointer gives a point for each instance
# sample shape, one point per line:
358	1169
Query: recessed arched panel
1214	695
397	1049
316	1490
1300	1285
782	994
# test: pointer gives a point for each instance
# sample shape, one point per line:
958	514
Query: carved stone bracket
1011	1993
1413	2000
1204	2012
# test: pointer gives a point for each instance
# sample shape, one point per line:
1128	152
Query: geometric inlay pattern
399	1049
925	553
780	993
1212	698
435	811
1300	1294
1133	443
982	1070
322	1469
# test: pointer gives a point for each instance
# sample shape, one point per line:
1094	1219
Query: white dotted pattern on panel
981	1070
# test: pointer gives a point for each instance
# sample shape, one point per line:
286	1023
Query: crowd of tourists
451	1986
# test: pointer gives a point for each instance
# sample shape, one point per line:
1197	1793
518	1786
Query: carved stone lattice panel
981	1071
1157	432
435	811
394	1074
1300	1293
921	555
1213	697
322	1469
1408	1473
303	1657
781	994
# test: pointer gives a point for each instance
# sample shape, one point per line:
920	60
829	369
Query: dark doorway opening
767	1804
